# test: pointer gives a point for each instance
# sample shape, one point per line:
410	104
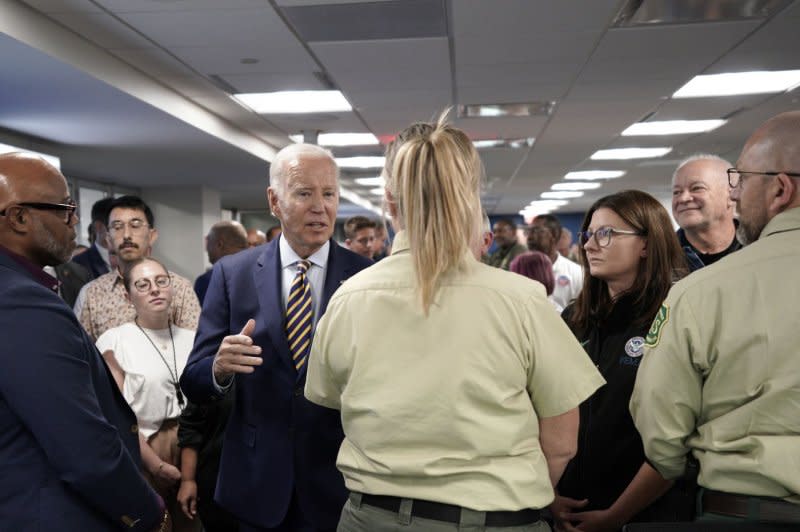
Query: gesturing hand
237	354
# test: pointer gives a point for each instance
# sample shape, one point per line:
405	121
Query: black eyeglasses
70	207
735	176
602	236
144	285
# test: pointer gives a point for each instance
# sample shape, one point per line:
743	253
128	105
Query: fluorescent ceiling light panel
576	185
630	153
672	127
738	83
562	194
370	181
594	174
342	139
365	162
480	144
295	102
491	110
377	191
548	204
504	143
52	159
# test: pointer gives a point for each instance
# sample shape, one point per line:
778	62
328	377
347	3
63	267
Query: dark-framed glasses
137	225
735	175
145	285
602	236
69	208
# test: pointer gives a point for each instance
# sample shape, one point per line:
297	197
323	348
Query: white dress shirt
316	273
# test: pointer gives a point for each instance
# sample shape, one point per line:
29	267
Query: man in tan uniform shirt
719	378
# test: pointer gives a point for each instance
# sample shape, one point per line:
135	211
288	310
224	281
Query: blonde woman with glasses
146	358
458	383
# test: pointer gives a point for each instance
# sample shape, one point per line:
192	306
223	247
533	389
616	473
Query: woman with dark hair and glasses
630	257
146	358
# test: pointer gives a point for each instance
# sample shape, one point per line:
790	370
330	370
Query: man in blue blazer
69	447
278	469
93	259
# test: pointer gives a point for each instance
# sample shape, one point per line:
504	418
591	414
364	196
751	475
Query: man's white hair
700	157
277	170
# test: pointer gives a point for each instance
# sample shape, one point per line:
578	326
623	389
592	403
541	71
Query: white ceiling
134	91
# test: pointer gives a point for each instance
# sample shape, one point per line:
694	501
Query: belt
451	513
753	508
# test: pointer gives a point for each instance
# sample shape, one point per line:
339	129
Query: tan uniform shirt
102	304
445	407
720	376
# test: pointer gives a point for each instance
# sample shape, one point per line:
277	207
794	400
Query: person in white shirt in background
543	235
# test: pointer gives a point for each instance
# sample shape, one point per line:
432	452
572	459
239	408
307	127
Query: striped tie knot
299	313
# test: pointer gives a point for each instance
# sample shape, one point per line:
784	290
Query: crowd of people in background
638	375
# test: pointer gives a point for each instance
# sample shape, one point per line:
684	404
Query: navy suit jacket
69	447
276	441
201	285
92	261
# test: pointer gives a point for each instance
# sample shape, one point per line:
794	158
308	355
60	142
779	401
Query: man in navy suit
278	469
96	259
69	445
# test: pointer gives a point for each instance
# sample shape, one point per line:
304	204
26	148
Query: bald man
719	381
255	237
69	446
703	208
224	238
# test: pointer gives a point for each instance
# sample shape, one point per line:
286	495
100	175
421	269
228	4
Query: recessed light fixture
491	110
542	207
562	194
576	185
672	127
504	143
295	102
52	159
342	139
594	174
364	162
370	181
630	153
738	83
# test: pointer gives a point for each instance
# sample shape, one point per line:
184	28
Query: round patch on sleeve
654	334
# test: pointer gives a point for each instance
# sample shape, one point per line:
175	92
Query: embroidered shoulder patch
654	334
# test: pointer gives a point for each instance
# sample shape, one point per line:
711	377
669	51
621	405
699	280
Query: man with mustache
702	206
102	304
69	449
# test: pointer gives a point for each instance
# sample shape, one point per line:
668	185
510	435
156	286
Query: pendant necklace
173	376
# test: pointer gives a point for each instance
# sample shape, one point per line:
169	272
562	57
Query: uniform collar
786	221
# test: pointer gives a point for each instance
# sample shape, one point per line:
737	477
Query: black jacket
610	449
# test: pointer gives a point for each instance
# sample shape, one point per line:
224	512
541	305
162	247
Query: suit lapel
267	276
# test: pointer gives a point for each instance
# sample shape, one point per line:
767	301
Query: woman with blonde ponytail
458	383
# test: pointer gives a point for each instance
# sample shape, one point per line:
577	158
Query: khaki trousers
358	517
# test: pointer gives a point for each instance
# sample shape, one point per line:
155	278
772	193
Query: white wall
183	216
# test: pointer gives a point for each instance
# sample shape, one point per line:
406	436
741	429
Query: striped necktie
298	316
